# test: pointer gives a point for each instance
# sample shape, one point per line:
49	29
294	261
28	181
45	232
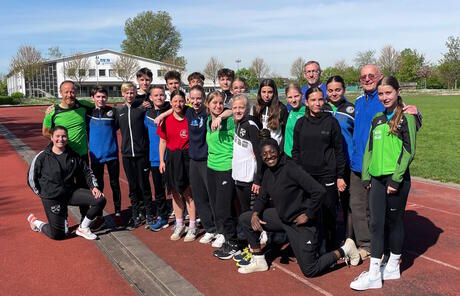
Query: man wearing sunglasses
366	106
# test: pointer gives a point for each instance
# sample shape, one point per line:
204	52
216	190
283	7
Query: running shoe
134	222
365	254
31	218
257	263
207	238
159	224
365	282
351	252
85	232
118	221
227	251
178	232
388	274
148	221
97	224
191	235
220	240
246	253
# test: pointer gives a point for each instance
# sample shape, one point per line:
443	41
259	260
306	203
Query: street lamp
238	61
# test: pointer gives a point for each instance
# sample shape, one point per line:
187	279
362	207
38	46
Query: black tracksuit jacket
134	136
317	146
292	190
49	180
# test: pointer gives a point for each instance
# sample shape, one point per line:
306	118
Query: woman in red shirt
174	139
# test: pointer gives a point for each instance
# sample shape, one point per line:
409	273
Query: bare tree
27	62
77	68
210	71
260	68
54	52
340	65
364	58
125	67
389	60
424	72
297	69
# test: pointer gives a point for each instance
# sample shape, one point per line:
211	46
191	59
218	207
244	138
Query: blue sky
277	31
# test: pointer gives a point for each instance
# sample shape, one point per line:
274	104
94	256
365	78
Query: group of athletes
289	167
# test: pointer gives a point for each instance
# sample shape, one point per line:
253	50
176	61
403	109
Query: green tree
152	35
249	75
410	63
449	68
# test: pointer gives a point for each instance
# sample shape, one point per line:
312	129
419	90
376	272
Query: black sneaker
227	251
134	222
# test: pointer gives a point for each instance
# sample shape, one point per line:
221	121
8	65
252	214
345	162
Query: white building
99	72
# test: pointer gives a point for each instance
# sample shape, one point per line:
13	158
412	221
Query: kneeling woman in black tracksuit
297	200
52	177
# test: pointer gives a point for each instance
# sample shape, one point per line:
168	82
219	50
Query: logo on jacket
56	209
110	113
350	109
198	123
242	132
183	133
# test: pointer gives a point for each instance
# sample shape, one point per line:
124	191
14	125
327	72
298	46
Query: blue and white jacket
154	139
345	115
366	106
102	134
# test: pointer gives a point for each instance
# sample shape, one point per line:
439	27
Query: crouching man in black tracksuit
52	176
297	200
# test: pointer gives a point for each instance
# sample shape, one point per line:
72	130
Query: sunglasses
370	76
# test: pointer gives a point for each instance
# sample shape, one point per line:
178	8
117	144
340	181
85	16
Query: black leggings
221	192
113	168
243	191
387	213
56	211
137	172
345	203
303	240
160	196
329	211
199	186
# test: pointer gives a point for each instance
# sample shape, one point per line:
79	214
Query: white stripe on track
302	279
432	260
430	208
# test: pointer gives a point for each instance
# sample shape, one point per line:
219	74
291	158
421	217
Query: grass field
437	155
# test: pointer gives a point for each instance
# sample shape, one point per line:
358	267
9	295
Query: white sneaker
350	250
257	263
263	238
364	282
207	238
191	235
85	232
178	232
220	240
388	274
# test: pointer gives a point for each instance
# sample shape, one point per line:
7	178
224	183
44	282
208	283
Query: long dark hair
394	122
273	106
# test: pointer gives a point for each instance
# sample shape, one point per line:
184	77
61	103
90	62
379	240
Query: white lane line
433	260
302	279
414	205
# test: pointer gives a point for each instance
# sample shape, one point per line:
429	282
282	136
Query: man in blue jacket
312	73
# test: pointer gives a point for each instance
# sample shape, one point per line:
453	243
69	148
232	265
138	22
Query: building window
102	72
112	73
161	72
92	72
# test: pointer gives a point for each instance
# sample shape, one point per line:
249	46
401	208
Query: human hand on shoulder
215	124
410	109
49	109
96	193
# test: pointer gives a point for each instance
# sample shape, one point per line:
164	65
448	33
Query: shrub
5	100
17	95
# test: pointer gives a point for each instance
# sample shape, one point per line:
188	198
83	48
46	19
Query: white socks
393	261
374	268
86	222
39	224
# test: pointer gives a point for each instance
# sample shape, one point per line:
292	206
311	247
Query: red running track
431	264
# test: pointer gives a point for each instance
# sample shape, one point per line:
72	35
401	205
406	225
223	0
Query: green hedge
17	95
5	100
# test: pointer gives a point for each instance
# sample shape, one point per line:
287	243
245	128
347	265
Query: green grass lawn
437	156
